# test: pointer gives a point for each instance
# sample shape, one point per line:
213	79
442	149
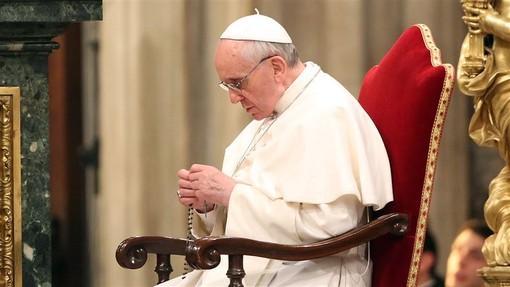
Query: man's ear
279	68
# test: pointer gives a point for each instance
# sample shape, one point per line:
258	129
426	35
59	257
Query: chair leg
163	267
235	270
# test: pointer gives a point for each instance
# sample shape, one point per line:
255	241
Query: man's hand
204	183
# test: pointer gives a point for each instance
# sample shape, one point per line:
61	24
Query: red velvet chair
407	95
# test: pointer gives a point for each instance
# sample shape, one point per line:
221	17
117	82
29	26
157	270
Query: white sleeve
202	225
288	222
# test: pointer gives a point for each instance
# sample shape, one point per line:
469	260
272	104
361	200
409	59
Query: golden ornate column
484	73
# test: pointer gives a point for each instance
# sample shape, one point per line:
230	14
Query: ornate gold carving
495	276
10	188
490	123
474	56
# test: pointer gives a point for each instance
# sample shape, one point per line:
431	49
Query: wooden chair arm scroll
132	253
204	253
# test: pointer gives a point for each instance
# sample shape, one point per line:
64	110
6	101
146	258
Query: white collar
296	88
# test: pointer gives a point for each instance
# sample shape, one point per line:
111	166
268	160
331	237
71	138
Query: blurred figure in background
466	255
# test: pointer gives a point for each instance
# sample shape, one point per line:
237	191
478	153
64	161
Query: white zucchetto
257	27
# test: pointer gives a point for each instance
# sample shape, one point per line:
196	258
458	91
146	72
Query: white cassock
311	174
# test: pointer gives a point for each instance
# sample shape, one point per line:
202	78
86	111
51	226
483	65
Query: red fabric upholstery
407	96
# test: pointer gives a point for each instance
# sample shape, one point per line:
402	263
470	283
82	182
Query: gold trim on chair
10	188
430	171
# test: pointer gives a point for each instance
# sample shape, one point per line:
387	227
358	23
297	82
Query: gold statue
484	73
474	57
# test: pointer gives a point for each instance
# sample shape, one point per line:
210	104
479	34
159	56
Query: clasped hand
204	184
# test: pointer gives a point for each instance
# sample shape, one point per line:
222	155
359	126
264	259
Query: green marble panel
50	11
30	73
30	32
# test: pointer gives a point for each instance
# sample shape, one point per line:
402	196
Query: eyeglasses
236	87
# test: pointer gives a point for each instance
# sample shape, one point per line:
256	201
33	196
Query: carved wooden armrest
205	252
132	253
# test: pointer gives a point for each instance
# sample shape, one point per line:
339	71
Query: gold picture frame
10	188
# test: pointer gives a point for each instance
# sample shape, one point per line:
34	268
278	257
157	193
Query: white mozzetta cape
309	177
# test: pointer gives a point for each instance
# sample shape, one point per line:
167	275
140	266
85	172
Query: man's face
465	259
259	92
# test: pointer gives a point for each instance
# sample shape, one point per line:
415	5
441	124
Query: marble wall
26	32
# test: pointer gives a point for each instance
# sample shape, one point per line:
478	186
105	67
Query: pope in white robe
305	169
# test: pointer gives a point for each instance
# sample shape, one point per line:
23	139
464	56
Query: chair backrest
407	96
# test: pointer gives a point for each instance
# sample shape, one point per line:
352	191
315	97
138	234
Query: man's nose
235	97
